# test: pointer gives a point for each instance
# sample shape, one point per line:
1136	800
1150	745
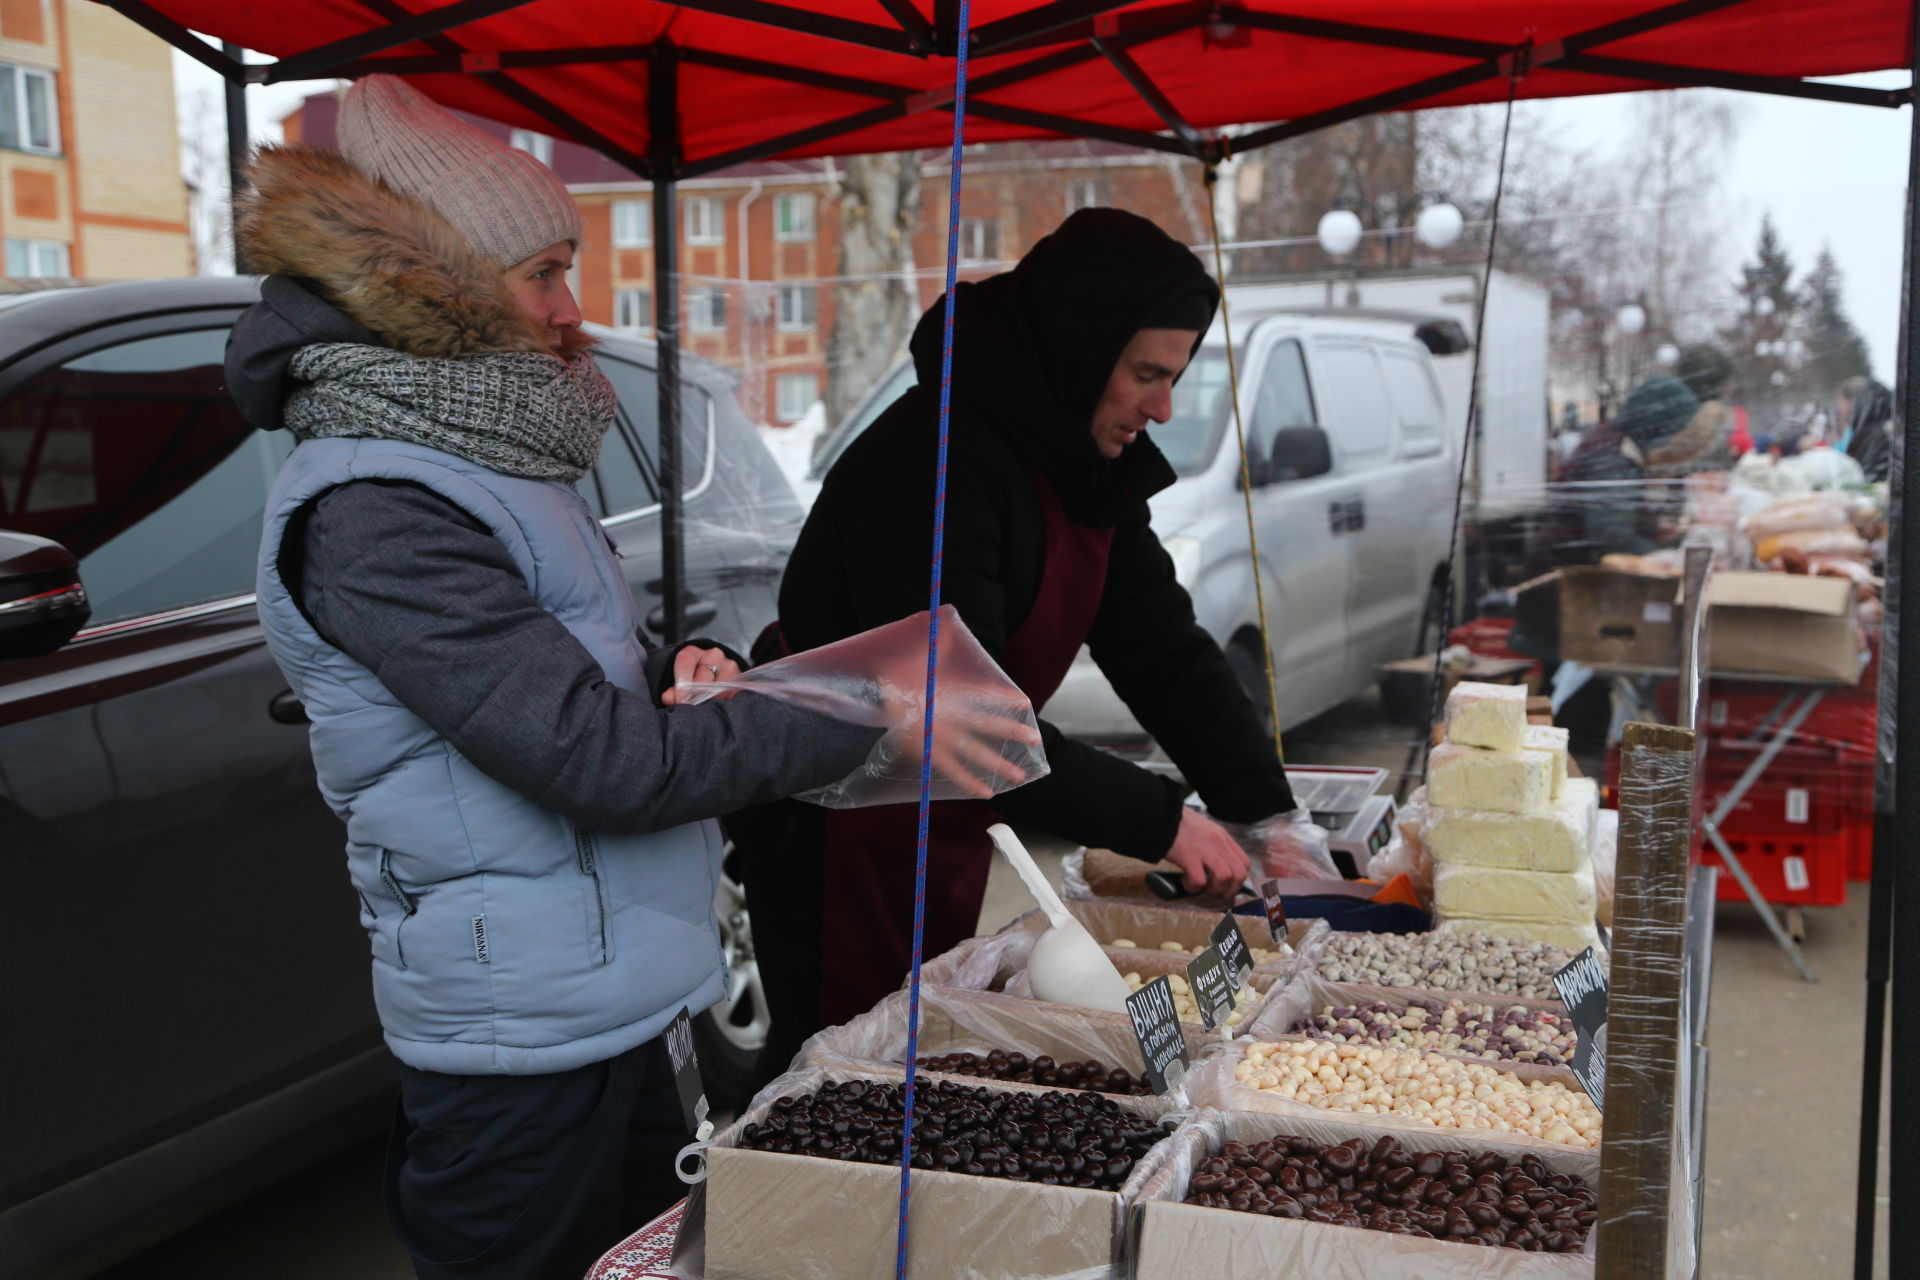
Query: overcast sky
1829	174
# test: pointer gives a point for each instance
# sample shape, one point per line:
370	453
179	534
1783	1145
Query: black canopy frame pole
663	145
238	142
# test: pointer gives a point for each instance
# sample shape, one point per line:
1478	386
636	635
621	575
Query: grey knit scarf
518	413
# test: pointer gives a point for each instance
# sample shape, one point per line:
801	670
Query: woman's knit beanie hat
507	204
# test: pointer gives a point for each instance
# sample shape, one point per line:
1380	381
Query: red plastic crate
1789	870
1860	850
1799	792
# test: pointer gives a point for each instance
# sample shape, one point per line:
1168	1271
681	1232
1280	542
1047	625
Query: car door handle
1347	515
699	614
286	708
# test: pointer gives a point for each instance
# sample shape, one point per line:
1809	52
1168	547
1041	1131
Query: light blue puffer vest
505	940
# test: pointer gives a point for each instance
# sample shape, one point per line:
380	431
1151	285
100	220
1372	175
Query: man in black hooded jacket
1059	366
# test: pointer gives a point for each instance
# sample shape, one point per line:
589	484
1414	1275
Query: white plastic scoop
1067	965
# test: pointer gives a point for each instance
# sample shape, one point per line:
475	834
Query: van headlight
1185	553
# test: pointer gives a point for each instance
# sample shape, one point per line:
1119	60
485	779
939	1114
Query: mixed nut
1442	1195
1445	962
1517	1033
1056	1139
1186	1007
1260	955
1002	1065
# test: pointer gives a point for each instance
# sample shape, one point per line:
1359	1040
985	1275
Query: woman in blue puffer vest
528	817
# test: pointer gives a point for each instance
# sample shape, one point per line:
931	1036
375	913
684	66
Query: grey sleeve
427	599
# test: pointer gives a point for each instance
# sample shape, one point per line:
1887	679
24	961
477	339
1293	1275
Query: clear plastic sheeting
1123	927
1287	846
757	1215
981	1023
985	740
1166	1236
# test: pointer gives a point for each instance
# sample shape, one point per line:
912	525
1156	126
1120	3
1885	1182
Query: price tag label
1583	988
1276	910
1156	1025
686	1072
1232	946
1212	986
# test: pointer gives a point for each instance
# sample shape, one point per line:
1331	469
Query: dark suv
186	1008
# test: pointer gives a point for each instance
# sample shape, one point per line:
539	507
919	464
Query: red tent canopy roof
871	75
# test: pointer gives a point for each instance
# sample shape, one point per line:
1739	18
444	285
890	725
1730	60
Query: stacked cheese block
1510	834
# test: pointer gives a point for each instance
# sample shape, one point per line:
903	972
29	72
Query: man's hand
694	665
1213	862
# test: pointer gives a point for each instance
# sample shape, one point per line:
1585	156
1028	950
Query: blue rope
933	633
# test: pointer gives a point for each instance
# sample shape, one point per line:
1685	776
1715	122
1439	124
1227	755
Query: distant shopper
1865	414
524	807
1704	443
1061	367
1614	501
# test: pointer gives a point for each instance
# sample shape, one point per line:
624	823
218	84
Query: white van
1353	479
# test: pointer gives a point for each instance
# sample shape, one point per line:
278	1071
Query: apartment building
759	243
89	169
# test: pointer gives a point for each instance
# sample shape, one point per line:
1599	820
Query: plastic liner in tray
1165	1235
1152	964
761	1215
953	1021
1212	1083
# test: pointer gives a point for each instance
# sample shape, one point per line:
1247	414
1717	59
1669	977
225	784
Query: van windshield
1200	408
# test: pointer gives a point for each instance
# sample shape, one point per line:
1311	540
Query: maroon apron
868	858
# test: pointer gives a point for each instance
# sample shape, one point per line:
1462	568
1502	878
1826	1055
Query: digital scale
1346	801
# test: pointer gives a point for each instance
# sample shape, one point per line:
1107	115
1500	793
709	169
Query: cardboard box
1609	618
1406	685
1784	624
1166	1237
770	1216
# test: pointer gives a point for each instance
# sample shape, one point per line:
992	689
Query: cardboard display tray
1150	926
770	1216
1165	1235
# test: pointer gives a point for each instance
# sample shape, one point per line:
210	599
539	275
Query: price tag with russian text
1583	989
1232	945
1276	910
1156	1024
1212	986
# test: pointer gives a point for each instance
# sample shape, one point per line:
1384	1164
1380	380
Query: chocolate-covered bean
1059	1139
1233	1179
1090	1075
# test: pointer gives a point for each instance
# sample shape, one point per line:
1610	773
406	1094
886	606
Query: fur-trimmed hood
388	262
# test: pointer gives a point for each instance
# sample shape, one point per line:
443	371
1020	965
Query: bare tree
203	167
876	302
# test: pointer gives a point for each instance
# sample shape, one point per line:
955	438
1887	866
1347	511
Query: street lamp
1339	232
1631	318
1437	226
1667	354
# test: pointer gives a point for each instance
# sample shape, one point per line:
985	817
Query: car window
1353	404
627	477
1283	400
1413	396
133	457
835	443
1202	408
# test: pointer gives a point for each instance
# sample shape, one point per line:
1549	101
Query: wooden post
1646	1020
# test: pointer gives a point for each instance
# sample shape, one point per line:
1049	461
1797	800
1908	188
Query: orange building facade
89	172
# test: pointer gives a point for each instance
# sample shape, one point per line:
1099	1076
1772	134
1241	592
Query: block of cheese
1487	715
1552	740
1570	938
1557	839
1513	899
1473	778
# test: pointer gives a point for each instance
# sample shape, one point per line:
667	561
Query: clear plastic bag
1287	846
986	737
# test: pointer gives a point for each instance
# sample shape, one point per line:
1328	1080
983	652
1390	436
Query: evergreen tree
1835	349
1758	338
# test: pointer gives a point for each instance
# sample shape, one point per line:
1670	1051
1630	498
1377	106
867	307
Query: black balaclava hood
1034	347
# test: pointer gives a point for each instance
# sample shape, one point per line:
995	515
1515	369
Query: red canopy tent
676	90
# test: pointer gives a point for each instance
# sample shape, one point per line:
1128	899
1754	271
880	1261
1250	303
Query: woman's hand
968	740
694	665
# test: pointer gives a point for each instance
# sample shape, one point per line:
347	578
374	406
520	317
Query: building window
29	118
537	145
632	224
707	310
794	394
703	220
1084	193
31	258
633	308
979	240
793	217
796	306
